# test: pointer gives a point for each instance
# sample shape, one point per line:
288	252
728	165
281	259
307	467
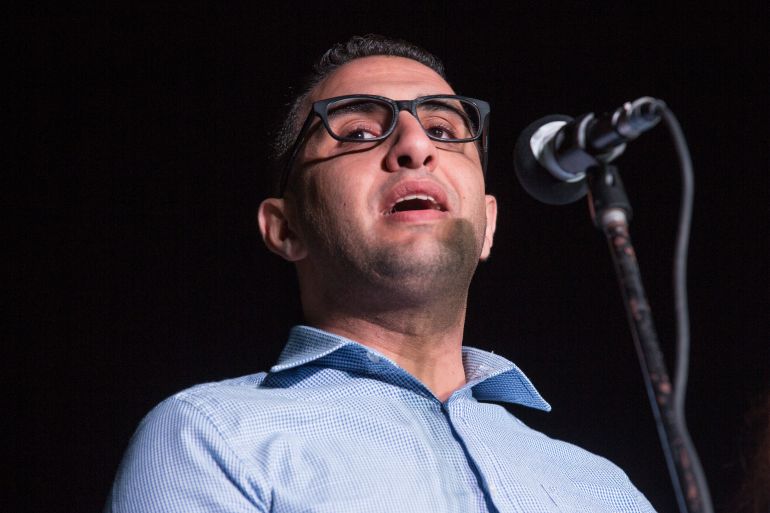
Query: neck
425	341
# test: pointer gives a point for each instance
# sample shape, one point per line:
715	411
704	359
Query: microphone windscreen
535	178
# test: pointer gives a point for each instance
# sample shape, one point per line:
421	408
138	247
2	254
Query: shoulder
198	416
243	412
191	439
221	405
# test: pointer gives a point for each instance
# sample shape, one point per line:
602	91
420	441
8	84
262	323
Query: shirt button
373	358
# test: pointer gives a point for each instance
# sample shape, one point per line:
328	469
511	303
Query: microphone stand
611	211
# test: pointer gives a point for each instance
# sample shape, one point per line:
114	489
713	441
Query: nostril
404	160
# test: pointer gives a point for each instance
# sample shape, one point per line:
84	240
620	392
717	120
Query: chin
425	266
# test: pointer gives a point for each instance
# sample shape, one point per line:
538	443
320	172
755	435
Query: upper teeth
425	197
416	196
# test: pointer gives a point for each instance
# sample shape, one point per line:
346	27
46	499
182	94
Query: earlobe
489	232
277	232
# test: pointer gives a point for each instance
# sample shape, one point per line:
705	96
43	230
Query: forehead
398	78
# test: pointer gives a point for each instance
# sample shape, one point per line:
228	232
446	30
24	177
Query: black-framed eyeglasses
448	120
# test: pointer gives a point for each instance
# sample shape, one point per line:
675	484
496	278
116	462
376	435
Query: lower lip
416	216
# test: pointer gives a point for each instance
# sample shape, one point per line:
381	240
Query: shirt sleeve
178	461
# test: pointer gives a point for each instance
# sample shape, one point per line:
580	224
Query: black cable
680	299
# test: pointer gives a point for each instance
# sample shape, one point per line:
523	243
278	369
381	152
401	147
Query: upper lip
411	189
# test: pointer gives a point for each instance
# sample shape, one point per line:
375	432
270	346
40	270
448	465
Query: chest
391	456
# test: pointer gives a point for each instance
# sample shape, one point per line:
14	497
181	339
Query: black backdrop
143	273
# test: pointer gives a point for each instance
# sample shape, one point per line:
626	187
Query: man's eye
360	134
360	131
441	132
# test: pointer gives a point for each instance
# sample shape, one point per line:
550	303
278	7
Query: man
374	406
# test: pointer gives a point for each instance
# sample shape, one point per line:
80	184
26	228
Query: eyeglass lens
443	119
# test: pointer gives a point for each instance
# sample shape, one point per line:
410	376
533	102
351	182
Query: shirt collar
490	377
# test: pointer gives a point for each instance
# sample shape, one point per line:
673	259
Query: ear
277	232
489	232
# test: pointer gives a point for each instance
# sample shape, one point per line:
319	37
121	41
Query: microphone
553	155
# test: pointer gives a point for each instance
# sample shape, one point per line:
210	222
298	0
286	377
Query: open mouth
414	202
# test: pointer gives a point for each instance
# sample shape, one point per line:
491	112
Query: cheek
335	202
475	199
469	184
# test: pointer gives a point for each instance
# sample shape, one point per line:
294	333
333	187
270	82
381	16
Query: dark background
142	271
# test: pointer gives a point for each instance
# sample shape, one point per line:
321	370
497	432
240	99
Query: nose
411	148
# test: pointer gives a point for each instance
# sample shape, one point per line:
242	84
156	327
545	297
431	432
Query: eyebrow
440	105
361	106
437	105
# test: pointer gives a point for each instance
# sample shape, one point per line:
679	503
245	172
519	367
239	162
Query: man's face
401	211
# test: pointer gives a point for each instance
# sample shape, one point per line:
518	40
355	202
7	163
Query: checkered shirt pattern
336	427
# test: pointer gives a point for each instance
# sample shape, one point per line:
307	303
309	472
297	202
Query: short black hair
356	47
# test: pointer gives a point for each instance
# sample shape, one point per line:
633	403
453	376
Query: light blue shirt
336	427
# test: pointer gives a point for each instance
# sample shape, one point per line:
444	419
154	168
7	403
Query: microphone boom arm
611	211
